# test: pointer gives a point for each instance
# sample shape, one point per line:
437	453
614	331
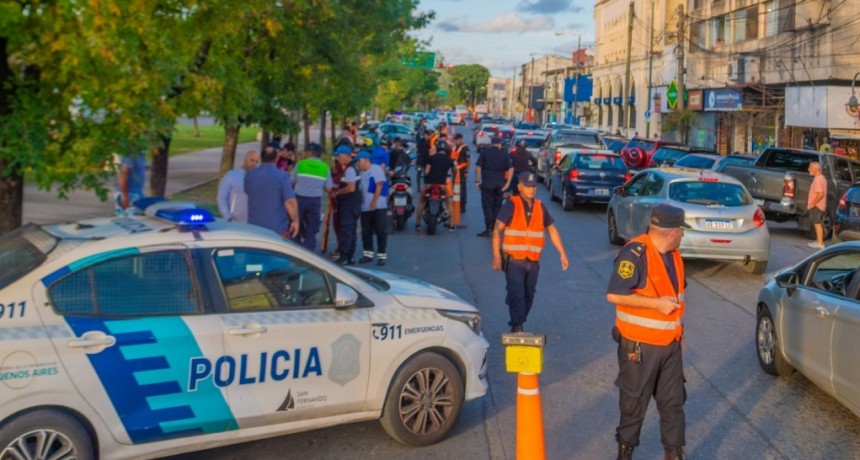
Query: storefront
821	120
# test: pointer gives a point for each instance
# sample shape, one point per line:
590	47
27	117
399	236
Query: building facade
498	95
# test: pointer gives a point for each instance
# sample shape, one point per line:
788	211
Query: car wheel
424	401
567	202
767	345
431	226
45	434
756	267
612	229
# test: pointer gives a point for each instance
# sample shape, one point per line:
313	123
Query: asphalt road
734	410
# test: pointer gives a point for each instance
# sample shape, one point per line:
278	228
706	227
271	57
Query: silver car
726	223
808	318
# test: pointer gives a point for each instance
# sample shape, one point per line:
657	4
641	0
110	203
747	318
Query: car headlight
470	319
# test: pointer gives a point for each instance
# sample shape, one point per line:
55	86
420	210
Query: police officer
313	181
647	288
523	220
461	158
348	195
522	160
493	175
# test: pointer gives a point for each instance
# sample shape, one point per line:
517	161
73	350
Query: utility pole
576	82
650	67
545	88
513	88
530	89
625	110
680	105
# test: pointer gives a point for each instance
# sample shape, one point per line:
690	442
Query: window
653	185
719	31
779	17
150	284
637	184
254	279
566	137
709	193
793	161
746	24
843	170
599	162
697	34
23	250
834	275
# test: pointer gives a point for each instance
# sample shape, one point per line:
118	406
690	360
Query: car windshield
378	283
526	125
577	138
642	144
694	161
531	142
600	162
709	193
23	250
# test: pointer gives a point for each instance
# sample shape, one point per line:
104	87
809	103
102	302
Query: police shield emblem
345	364
626	269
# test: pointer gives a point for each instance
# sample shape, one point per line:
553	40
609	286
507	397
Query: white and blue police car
168	332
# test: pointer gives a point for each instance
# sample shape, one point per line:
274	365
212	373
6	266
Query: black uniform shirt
439	164
631	270
520	158
494	162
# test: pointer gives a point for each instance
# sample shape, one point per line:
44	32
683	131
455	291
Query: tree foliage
469	83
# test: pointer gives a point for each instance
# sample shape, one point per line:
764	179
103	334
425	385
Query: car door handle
248	330
95	340
822	312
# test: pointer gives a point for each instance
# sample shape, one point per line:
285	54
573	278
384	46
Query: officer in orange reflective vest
460	155
523	220
647	288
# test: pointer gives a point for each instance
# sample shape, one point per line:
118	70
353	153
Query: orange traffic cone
455	213
530	442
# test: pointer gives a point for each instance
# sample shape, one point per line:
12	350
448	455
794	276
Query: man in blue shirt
129	184
313	180
271	198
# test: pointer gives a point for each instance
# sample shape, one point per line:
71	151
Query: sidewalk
183	172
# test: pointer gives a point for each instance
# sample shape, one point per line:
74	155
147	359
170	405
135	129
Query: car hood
414	293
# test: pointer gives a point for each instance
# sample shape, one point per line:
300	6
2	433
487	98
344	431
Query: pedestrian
523	220
423	148
287	159
816	203
461	157
313	181
522	160
380	155
420	129
337	171
131	175
349	198
271	201
398	158
232	199
374	207
493	175
647	287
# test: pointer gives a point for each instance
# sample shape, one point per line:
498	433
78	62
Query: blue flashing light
187	216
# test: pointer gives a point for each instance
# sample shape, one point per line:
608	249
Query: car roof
672	174
703	155
577	131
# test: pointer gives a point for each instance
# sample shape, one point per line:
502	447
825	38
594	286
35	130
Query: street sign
672	94
442	93
647	115
420	60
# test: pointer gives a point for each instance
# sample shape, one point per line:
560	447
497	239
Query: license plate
400	201
758	201
718	224
601	191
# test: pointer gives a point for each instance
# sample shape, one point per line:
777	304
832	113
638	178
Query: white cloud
503	23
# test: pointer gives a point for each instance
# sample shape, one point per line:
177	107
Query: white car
139	337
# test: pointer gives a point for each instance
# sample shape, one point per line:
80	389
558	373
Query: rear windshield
577	138
792	161
709	193
691	161
528	126
667	153
642	144
531	142
23	250
599	162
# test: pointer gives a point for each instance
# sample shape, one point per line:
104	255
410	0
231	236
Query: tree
680	120
469	82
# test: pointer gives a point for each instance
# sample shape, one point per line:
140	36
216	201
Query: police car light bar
180	213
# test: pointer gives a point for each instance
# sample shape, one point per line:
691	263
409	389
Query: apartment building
498	95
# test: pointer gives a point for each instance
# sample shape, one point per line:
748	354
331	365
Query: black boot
487	232
625	451
675	453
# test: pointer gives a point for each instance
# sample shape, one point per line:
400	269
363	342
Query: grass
204	195
210	136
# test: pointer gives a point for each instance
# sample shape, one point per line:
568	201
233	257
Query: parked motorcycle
435	210
400	198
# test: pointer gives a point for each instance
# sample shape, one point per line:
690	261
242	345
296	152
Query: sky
502	34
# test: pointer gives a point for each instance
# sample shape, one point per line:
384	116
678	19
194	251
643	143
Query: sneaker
344	261
380	262
417	227
485	233
334	255
365	259
814	244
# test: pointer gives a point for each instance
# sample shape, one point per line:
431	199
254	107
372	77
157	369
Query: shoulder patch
626	269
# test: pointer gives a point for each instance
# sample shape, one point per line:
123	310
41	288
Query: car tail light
628	176
481	134
788	186
842	202
557	156
708	179
758	218
573	174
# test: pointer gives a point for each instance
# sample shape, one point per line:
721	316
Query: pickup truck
779	183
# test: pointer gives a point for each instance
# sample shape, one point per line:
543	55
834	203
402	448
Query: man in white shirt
374	206
232	200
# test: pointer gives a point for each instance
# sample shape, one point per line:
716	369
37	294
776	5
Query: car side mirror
344	296
788	281
620	190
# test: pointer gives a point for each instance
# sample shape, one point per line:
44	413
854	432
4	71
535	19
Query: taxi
172	331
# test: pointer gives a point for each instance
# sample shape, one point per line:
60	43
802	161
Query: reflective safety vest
647	325
455	155
524	240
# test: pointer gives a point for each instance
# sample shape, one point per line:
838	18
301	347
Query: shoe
380	262
344	261
485	233
365	259
417	228
517	327
463	208
334	255
814	244
676	453
625	452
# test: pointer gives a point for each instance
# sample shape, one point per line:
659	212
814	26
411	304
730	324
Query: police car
152	335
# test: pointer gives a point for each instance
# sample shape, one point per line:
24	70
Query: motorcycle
435	210
400	198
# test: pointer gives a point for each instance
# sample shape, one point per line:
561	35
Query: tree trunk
332	132
196	127
158	169
322	127
11	197
228	155
306	121
264	139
